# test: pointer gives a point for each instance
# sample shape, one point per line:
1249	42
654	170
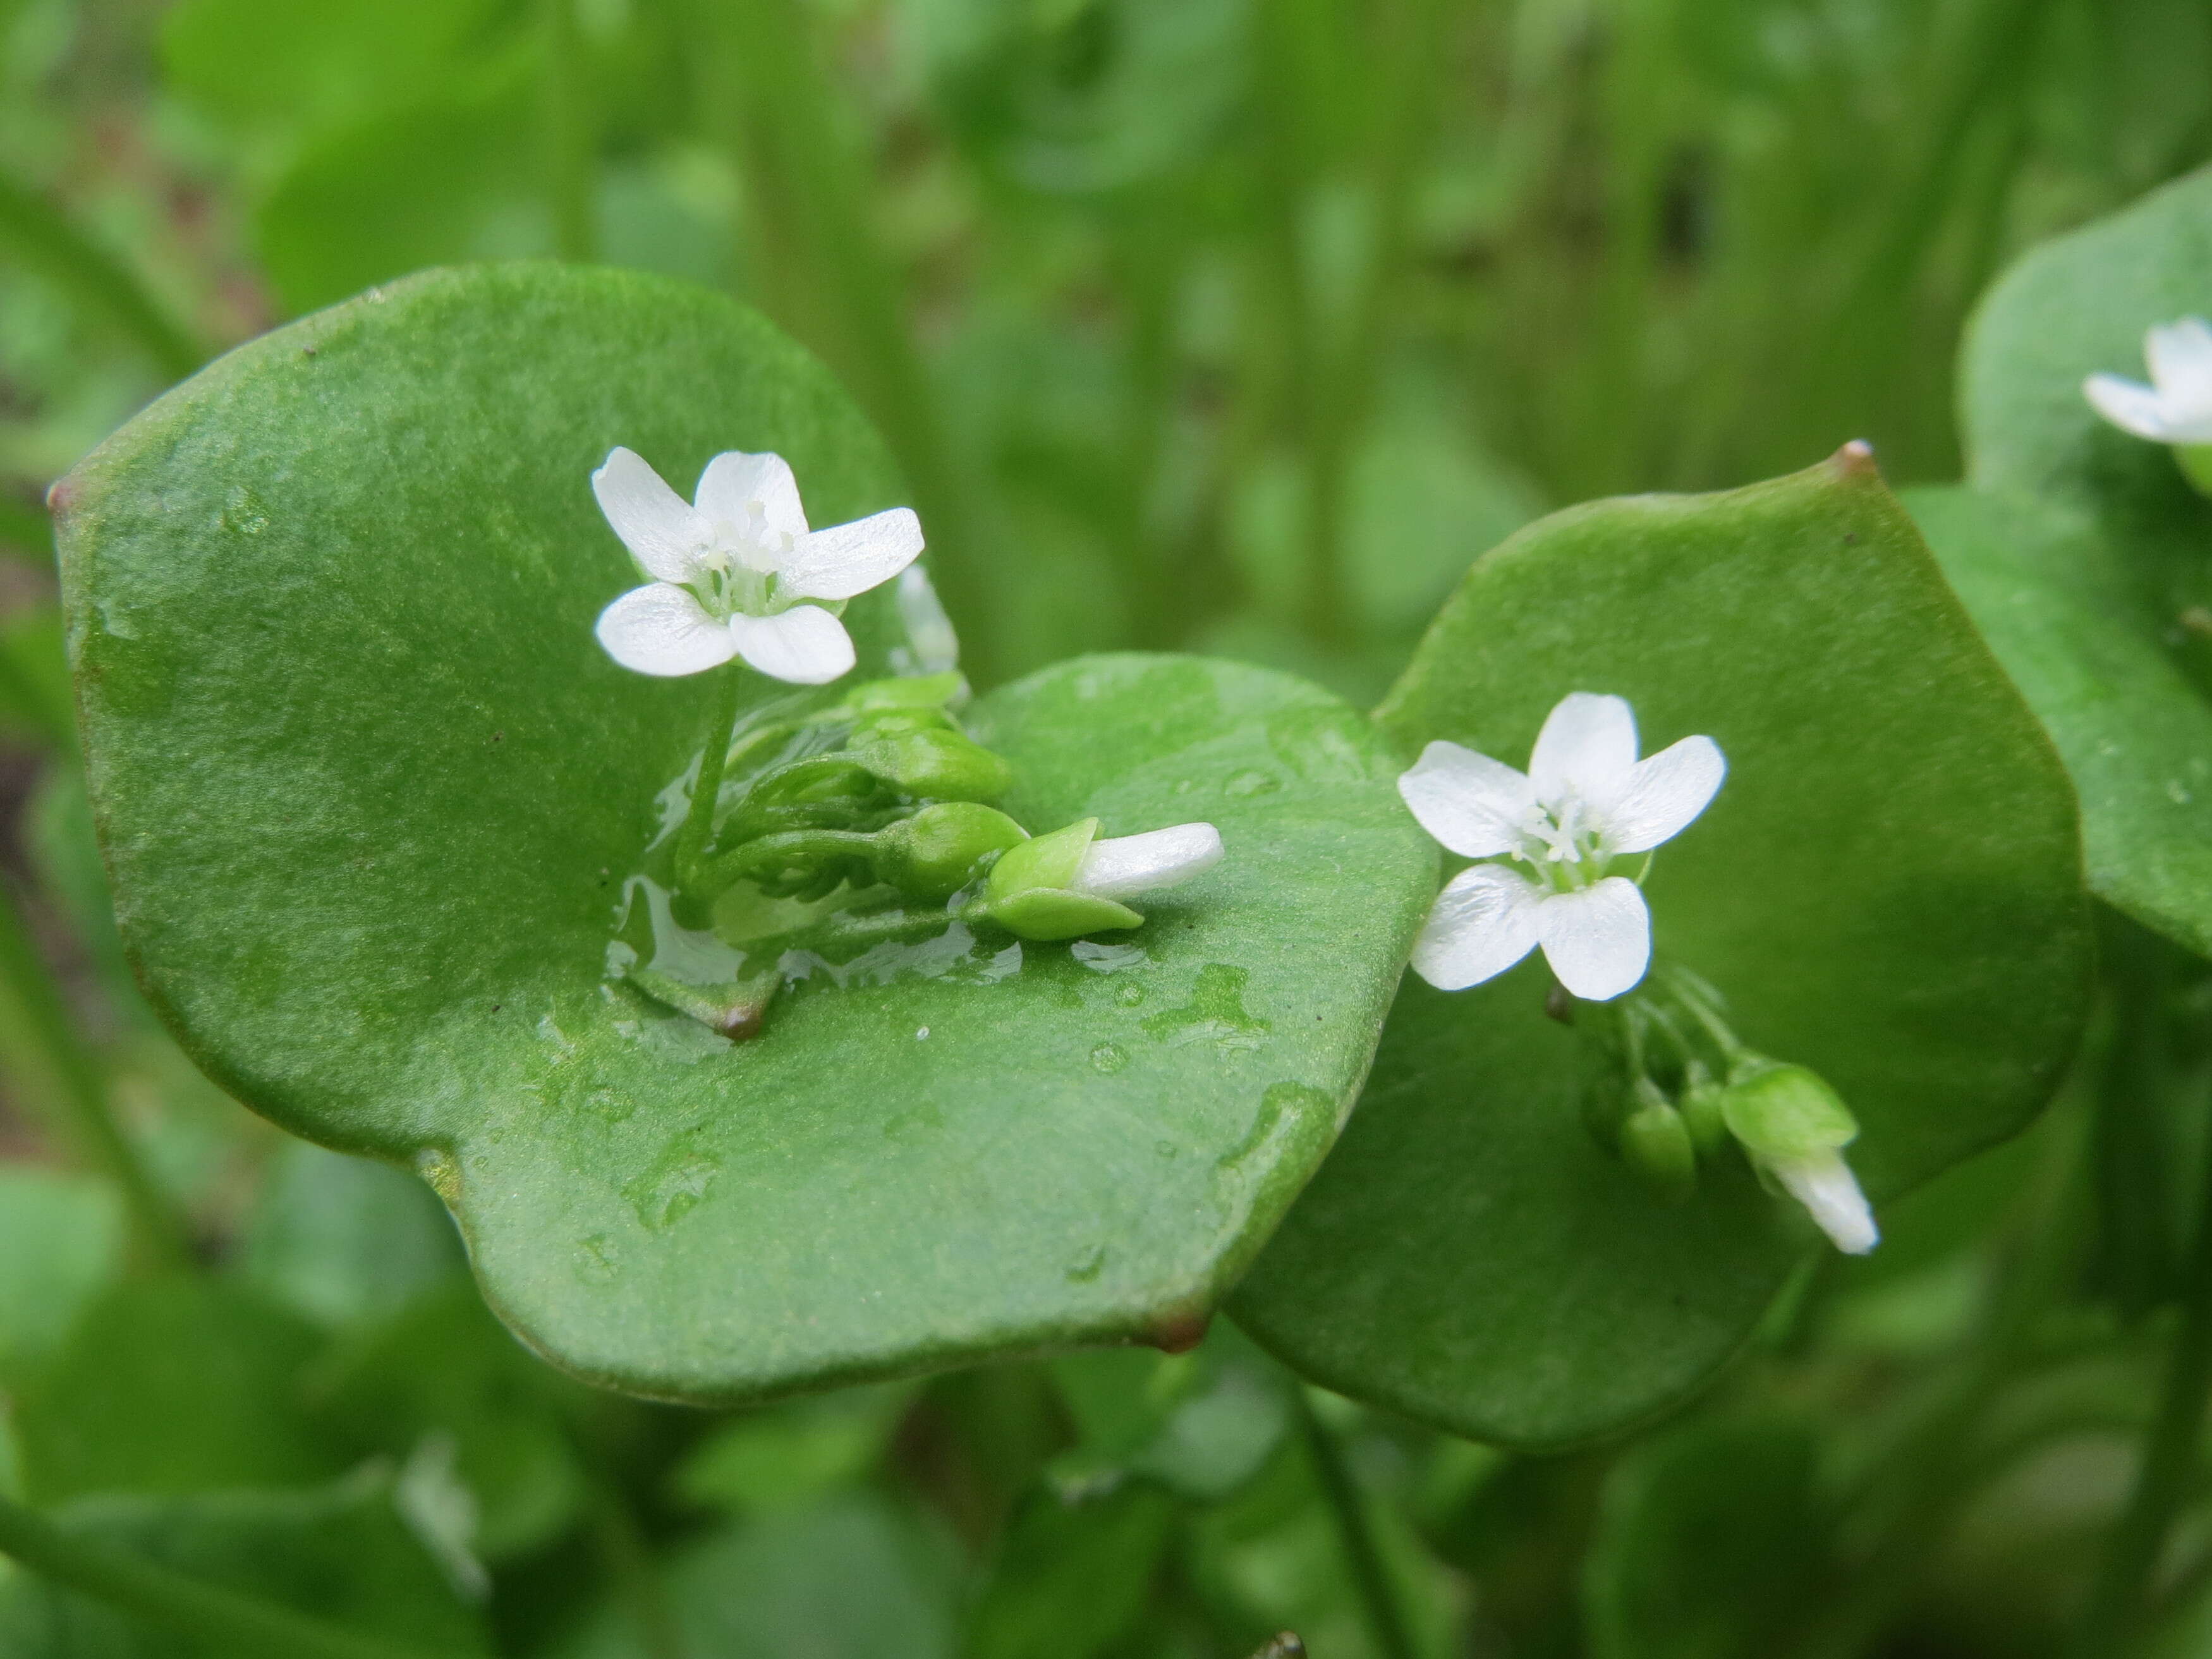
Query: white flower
1125	865
731	572
1586	800
2177	407
1824	1184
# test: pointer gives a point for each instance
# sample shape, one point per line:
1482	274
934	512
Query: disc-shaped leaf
2098	605
372	794
1887	889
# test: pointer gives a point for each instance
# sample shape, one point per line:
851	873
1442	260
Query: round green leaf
1887	889
371	792
2089	570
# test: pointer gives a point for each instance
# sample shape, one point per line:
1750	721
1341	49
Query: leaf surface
372	797
1888	889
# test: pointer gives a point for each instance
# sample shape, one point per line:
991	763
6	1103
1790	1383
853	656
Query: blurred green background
1231	326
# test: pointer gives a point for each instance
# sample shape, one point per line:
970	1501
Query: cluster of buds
1684	1090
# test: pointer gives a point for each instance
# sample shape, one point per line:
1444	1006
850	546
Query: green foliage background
1232	325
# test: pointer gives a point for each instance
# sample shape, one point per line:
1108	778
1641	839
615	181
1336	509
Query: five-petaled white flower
733	571
1585	800
2176	408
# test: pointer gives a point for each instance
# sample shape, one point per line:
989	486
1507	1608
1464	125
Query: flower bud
1657	1143
1703	1113
936	765
933	853
1031	893
1784	1113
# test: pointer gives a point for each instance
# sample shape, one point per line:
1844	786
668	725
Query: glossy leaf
331	607
1887	889
2096	604
342	1555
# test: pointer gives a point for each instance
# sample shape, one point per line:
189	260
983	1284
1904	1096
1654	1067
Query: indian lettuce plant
1239	1151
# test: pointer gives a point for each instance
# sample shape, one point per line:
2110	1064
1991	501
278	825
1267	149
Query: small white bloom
1824	1184
732	570
1585	800
2176	408
1125	865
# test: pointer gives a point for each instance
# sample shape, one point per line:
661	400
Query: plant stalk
570	143
1370	1575
45	1053
221	1621
706	790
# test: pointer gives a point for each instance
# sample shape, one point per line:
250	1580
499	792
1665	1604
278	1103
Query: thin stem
26	532
221	1621
771	855
1371	1575
707	791
42	238
43	1050
570	140
2121	1591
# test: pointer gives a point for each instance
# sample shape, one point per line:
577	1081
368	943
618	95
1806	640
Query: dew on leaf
1215	1013
1252	781
1109	1058
675	1182
1107	958
1087	1262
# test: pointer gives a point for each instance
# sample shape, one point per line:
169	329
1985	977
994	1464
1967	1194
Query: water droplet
1109	1058
2178	792
1215	1013
922	1035
1167	1148
1087	1262
1107	958
1252	781
1130	996
674	1184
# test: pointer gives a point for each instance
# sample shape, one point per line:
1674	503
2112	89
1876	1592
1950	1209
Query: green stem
707	791
1370	1575
43	1050
2119	1596
769	855
220	1620
569	142
44	239
26	532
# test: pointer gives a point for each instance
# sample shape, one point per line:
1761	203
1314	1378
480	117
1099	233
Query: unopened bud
1784	1113
937	765
1657	1143
1702	1113
934	853
911	691
1030	892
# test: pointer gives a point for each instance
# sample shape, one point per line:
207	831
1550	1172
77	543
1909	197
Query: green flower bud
1657	1143
1044	861
1030	893
915	691
880	724
1785	1114
933	854
936	765
1702	1113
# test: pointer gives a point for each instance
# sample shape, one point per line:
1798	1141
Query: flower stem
220	1620
707	791
771	855
569	142
43	1052
1370	1575
2132	1553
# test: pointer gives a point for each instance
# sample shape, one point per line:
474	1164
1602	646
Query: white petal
806	646
2129	405
1141	864
660	629
1587	748
1824	1184
1472	804
929	631
662	532
735	485
1598	941
1482	923
2180	359
851	558
1665	792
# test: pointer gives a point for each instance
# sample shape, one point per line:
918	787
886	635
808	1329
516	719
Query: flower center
1564	841
738	567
